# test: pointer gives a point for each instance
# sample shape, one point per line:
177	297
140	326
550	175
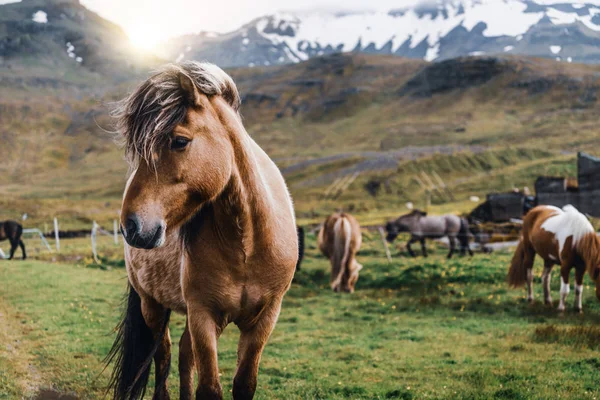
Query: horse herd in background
340	238
562	237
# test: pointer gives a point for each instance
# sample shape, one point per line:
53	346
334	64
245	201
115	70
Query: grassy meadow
414	328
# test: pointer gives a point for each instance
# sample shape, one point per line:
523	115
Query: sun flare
143	37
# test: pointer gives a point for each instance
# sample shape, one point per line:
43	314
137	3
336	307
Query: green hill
481	124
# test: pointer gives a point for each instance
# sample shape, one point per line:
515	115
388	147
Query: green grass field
415	328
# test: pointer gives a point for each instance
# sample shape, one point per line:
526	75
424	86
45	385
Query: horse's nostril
132	225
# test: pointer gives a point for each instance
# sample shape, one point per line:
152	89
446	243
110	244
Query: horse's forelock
145	118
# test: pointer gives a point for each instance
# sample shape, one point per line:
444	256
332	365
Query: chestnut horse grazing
562	237
339	241
12	231
210	230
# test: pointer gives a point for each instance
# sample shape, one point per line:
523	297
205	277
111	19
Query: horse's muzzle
138	235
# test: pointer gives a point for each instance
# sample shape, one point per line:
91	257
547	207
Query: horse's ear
190	92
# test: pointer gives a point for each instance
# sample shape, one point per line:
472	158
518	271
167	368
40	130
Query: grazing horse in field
210	233
561	237
339	240
422	227
12	231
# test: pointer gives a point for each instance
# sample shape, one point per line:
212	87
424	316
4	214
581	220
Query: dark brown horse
210	233
12	231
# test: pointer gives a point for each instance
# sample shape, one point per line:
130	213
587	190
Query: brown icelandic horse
12	231
562	237
423	227
210	233
339	240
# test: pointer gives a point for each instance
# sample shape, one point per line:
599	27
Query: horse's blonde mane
145	118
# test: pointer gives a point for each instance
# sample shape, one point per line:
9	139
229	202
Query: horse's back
327	235
439	225
11	230
283	230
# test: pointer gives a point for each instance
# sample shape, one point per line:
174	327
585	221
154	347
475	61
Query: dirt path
16	360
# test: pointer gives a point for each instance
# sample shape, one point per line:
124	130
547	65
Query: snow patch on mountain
71	52
301	34
502	18
40	17
435	30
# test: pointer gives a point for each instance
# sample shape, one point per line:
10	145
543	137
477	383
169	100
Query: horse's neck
243	207
416	223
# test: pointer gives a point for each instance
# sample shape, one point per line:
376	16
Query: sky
148	22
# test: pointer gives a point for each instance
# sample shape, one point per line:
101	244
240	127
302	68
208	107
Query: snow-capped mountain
437	30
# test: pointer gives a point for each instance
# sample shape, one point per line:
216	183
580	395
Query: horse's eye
179	143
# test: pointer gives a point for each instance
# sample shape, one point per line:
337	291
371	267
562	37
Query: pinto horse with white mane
210	233
562	237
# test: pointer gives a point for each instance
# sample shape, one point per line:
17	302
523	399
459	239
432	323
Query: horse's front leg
13	247
410	250
546	275
423	247
23	248
252	342
452	240
154	315
565	270
186	366
579	272
204	330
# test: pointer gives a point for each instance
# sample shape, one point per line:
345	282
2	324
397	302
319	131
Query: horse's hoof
578	310
530	300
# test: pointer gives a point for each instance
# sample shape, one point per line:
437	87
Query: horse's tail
342	237
133	351
300	247
463	233
517	273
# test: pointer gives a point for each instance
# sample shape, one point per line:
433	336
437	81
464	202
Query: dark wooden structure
501	207
585	196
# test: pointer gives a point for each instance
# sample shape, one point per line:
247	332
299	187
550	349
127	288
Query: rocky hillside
433	30
57	43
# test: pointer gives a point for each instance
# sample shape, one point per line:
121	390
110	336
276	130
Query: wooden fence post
94	252
115	232
385	245
56	236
